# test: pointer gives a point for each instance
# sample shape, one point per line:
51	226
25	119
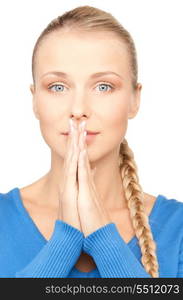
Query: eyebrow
95	75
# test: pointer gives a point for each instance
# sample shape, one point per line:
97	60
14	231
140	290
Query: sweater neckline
17	196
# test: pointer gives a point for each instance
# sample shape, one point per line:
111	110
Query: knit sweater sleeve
180	262
113	257
59	254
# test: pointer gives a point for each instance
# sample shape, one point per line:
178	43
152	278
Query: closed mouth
88	133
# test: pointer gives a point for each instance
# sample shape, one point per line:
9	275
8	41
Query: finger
88	173
84	161
84	151
83	173
70	141
82	136
68	149
73	163
70	167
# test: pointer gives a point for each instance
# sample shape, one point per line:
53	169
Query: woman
88	216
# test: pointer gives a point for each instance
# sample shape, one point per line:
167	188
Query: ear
34	106
135	102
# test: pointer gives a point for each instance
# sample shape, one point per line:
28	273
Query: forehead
82	52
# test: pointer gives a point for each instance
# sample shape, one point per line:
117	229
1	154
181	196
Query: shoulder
7	198
171	204
168	213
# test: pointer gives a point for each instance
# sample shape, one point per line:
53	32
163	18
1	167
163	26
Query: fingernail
84	152
82	124
71	125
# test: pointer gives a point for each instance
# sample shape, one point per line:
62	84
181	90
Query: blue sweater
24	252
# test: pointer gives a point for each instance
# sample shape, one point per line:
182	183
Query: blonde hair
91	19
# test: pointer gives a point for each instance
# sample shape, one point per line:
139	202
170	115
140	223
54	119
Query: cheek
46	109
50	122
116	121
50	112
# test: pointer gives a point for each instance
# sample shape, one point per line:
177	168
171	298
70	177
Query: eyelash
103	83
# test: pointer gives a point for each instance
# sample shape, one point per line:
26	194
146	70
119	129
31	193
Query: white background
155	135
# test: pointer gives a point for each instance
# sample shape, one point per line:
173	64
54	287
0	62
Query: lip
88	133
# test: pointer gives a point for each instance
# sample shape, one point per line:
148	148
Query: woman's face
105	101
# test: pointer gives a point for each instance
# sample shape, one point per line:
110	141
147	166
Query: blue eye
104	84
58	89
56	85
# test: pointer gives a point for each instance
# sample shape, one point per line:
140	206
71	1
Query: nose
79	109
78	119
